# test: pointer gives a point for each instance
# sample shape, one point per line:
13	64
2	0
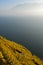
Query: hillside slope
12	53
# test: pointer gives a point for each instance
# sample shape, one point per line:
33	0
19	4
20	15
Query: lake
27	31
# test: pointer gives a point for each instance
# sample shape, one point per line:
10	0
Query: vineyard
12	53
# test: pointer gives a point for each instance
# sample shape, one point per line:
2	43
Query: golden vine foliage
12	53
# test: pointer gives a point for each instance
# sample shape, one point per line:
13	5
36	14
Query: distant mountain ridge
12	53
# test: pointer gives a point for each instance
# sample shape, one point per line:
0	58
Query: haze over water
27	31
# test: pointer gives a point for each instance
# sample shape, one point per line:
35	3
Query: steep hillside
12	53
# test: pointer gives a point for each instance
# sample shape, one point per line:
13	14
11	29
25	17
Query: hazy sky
21	7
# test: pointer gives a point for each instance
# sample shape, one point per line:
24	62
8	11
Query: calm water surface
27	31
